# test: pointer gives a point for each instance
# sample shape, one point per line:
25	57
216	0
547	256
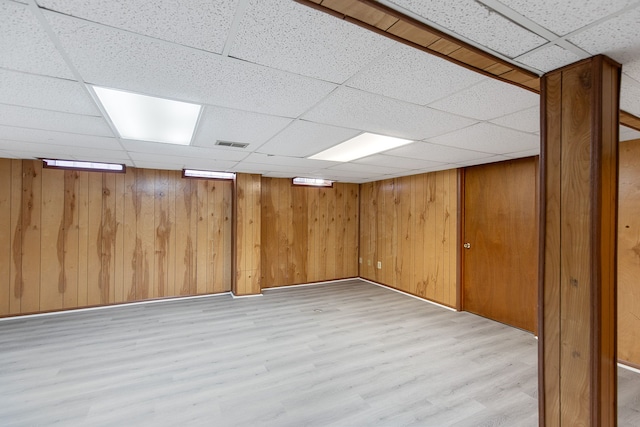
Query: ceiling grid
291	80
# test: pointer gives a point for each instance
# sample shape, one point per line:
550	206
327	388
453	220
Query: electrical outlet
379	265
360	260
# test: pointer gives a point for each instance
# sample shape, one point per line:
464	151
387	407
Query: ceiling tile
412	75
627	134
186	163
177	162
277	175
158	166
488	100
526	120
632	69
53	120
526	153
367	169
303	139
484	161
344	175
373	113
549	58
564	16
223	124
436	153
64	151
476	22
288	36
19	154
249	167
25	46
630	96
45	137
8	155
489	138
199	23
122	60
143	147
398	162
617	37
49	93
305	164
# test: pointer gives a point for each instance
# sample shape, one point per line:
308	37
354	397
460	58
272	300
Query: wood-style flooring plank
339	354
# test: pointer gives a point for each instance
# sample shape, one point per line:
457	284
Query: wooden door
629	253
500	268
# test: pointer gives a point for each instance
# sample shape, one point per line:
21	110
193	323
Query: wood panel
409	224
120	292
164	218
219	245
31	235
202	232
74	239
577	333
5	236
549	271
68	238
52	243
308	234
146	236
575	250
352	242
629	253
248	234
83	239
94	283
300	238
500	268
15	291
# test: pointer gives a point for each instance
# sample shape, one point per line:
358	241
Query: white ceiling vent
232	144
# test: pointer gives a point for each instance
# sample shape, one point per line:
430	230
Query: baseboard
234	296
301	285
629	366
105	306
391	288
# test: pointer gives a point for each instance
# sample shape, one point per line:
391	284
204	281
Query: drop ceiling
291	81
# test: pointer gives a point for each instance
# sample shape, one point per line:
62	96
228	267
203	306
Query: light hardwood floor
340	354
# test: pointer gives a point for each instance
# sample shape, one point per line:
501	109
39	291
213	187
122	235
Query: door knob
467	245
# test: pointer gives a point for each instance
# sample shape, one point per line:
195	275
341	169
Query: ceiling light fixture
360	146
147	118
313	182
195	173
85	166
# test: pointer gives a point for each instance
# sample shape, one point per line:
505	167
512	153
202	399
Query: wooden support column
577	301
246	235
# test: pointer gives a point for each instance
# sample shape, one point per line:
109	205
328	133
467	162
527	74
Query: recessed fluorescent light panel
194	173
86	166
362	145
147	118
313	182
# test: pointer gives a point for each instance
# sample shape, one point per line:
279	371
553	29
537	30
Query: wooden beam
577	300
397	26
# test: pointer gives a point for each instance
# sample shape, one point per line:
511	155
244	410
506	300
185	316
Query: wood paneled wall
629	253
72	239
308	234
409	224
247	226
